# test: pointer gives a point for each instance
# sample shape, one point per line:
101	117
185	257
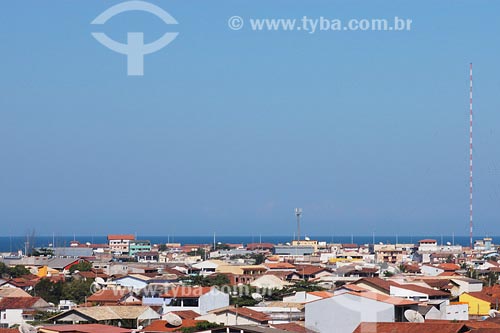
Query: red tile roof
449	267
441	327
109	295
158	326
9	330
18	302
383	298
309	269
322	294
186	292
187	314
256	246
246	312
291	327
385	285
352	287
87	328
423	290
483	296
119	237
279	265
427	240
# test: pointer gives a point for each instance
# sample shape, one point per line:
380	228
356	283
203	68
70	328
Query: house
465	285
113	297
306	297
417	293
479	303
346	311
241	274
260	246
126	316
207	267
248	329
235	316
441	327
308	272
407	290
132	281
280	266
159	326
429	270
292	327
356	271
19	310
119	244
89	328
198	299
12	292
148	256
136	246
269	281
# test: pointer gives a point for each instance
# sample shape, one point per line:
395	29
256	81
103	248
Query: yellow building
479	303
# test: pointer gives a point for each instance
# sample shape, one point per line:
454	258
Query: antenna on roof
413	316
471	184
298	213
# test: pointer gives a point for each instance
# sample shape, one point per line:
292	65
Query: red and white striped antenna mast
470	156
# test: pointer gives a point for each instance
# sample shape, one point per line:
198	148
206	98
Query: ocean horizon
15	243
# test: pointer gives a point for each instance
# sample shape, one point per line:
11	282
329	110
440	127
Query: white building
19	310
346	311
198	299
120	244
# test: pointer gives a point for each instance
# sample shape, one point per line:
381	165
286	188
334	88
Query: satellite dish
288	244
173	319
25	328
88	243
413	316
258	297
381	243
358	268
99	280
448	243
493	313
307	238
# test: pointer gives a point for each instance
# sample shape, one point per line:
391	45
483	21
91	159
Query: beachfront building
119	244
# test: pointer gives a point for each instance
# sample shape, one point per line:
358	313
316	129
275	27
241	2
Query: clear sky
229	131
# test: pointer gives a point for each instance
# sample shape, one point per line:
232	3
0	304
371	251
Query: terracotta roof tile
186	292
162	326
18	302
441	327
245	312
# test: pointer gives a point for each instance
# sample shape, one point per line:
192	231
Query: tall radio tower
470	156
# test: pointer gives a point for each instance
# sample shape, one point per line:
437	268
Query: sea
15	243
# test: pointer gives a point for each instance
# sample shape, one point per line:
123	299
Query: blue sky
228	131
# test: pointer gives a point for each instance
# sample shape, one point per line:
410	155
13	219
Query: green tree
17	271
77	290
83	266
42	252
201	326
48	290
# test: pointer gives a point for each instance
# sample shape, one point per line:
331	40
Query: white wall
131	283
455	312
11	317
227	319
213	300
408	294
343	313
